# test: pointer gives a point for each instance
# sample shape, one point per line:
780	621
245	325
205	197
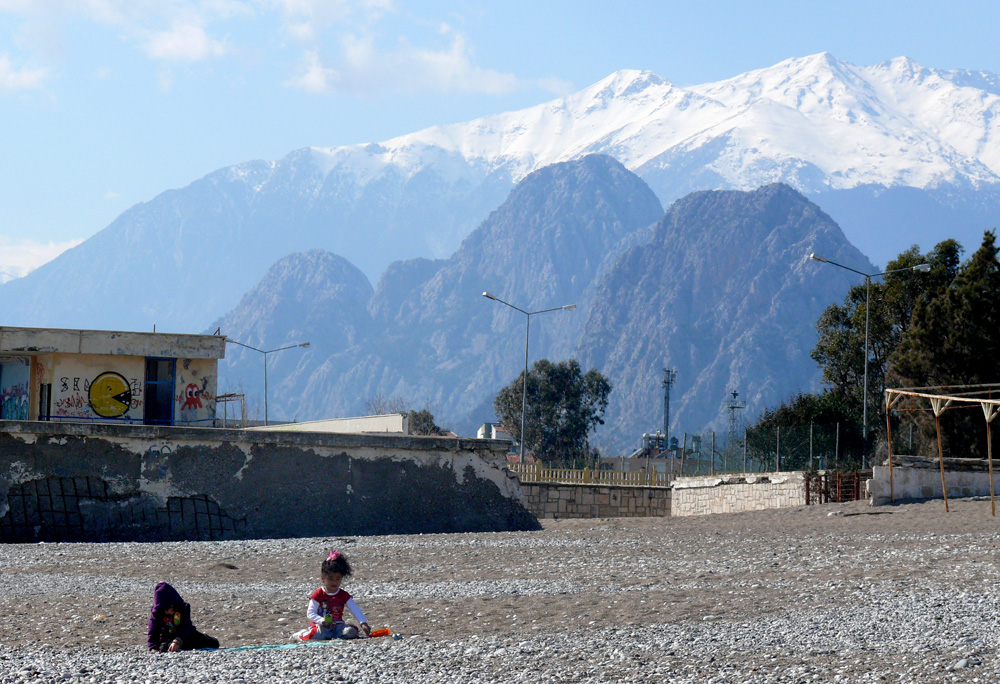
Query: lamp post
304	345
527	328
923	268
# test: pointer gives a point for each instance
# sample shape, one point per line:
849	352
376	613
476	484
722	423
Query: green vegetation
926	329
563	406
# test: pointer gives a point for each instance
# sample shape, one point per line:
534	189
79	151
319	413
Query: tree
840	448
422	423
563	406
840	350
952	340
380	405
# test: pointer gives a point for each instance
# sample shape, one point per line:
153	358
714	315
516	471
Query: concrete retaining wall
737	493
547	500
919	484
63	481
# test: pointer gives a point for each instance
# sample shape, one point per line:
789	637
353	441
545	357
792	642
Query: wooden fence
532	472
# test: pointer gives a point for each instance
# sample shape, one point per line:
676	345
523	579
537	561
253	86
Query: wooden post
684	449
888	435
989	451
744	450
939	405
944	489
990	412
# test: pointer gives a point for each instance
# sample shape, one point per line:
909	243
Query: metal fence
756	450
532	472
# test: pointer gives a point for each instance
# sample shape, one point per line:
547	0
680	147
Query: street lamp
527	328
304	345
923	268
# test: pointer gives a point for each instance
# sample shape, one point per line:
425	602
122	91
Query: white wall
391	423
918	484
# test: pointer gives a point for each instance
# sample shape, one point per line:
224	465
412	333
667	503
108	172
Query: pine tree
952	340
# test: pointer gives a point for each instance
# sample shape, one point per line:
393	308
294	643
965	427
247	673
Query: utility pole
734	407
669	377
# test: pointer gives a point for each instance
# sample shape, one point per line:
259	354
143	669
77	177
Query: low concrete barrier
94	482
922	483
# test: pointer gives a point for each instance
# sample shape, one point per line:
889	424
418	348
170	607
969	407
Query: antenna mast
734	406
669	377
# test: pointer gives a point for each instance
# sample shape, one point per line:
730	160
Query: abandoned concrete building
109	376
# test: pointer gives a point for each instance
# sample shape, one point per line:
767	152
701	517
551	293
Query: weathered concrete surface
54	340
921	484
124	482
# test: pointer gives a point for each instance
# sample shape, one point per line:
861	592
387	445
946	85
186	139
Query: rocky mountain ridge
717	287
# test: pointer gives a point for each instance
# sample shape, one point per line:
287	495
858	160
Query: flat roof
35	341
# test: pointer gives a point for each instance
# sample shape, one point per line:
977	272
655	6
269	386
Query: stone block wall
737	493
549	500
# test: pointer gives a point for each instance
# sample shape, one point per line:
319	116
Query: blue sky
106	103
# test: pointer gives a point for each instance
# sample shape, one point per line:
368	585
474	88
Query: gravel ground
836	593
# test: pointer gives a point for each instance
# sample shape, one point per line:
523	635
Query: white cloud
306	20
13	79
363	67
20	257
346	45
313	77
187	42
110	195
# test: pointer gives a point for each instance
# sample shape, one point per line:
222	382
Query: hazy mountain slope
434	340
720	289
314	297
723	294
897	153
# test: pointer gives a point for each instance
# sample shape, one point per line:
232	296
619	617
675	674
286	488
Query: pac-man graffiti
192	398
110	395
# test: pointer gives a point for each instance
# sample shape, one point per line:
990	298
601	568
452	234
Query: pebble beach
834	593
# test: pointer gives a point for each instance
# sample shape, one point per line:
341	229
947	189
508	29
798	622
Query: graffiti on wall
14	402
109	395
194	400
192	397
15	375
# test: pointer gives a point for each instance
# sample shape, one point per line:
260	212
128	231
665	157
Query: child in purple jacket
170	627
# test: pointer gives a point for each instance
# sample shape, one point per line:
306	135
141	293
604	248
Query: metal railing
531	472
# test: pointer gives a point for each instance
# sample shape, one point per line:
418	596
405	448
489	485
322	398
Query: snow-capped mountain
896	153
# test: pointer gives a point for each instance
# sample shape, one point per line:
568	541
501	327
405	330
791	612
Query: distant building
493	431
109	376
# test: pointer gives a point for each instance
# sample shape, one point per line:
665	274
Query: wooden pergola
940	399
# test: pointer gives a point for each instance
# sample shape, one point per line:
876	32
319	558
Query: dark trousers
194	641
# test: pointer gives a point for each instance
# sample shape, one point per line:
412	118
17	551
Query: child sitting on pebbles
326	605
170	627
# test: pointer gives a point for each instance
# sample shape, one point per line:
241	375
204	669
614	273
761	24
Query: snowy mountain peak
627	82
